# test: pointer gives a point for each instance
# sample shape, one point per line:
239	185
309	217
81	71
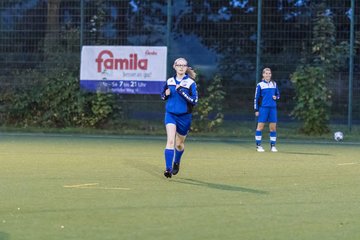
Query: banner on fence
123	69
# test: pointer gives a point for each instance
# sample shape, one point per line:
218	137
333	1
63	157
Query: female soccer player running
181	95
266	95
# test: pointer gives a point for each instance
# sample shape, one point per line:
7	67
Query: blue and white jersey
181	100
264	94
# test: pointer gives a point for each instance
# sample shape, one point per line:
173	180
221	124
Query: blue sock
178	155
258	137
272	138
169	156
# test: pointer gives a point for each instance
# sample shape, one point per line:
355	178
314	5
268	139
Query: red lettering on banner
111	63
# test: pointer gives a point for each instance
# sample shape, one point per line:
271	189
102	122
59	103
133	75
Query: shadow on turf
307	153
217	186
4	236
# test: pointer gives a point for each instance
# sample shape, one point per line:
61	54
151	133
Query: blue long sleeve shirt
181	100
264	94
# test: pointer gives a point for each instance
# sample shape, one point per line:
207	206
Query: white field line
81	185
94	186
344	164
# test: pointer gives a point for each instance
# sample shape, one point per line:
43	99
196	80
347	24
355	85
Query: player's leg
169	149
170	124
179	150
262	118
272	127
183	127
258	136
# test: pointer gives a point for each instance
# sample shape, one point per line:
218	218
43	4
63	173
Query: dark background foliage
40	42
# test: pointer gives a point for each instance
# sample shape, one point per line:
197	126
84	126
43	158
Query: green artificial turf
98	187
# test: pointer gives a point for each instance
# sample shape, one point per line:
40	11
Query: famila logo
111	63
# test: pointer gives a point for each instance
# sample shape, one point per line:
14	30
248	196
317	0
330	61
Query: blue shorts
182	122
267	114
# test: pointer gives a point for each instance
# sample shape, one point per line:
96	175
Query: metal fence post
81	24
258	41
168	35
351	63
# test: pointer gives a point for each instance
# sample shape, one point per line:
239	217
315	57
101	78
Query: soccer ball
338	136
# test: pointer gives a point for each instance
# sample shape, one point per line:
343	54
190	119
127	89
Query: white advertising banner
123	69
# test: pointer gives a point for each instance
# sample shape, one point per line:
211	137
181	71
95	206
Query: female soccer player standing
266	95
181	95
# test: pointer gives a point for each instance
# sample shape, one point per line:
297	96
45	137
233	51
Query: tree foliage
312	96
56	101
44	48
313	99
48	94
208	115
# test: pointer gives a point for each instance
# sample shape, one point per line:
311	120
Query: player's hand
256	114
274	97
167	92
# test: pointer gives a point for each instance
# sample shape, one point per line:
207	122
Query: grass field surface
101	187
